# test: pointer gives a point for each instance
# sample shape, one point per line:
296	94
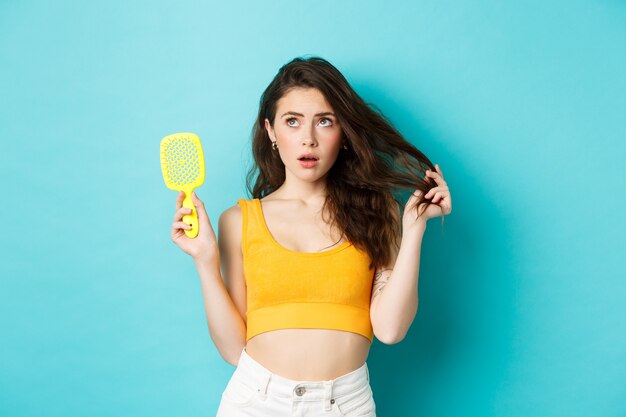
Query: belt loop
264	385
328	395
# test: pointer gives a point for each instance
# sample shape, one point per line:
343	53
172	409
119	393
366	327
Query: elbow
390	338
394	335
231	359
232	355
390	334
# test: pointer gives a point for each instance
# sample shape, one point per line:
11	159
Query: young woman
322	258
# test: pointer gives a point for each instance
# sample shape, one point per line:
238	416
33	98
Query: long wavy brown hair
364	184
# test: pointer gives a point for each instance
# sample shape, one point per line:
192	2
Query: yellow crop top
309	290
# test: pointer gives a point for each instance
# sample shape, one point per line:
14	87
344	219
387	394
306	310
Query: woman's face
305	123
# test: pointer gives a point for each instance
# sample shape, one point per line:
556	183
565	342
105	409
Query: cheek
331	135
286	135
335	138
289	141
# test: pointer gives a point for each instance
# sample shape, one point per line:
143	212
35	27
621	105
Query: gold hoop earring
274	145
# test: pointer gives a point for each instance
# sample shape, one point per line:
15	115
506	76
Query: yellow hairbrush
182	165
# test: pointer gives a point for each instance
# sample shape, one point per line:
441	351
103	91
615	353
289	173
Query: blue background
521	103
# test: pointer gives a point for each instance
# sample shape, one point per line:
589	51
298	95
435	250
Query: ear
270	130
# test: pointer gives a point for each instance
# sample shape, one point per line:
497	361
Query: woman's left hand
441	203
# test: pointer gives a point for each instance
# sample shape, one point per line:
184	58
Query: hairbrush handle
192	218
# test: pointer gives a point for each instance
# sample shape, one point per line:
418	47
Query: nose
309	139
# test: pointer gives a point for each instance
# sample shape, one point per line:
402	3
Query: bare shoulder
230	223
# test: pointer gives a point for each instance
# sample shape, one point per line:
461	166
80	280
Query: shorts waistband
266	382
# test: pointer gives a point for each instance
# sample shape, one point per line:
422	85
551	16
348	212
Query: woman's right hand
203	246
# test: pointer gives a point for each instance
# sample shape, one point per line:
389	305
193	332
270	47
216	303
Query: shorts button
300	390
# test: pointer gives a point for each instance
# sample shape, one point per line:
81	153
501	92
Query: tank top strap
252	223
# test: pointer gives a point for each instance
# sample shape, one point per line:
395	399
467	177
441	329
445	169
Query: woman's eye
328	120
289	120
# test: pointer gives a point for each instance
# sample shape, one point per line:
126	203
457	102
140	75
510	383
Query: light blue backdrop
521	103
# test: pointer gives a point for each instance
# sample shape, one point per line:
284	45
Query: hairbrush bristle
182	160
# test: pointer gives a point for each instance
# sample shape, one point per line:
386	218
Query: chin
308	175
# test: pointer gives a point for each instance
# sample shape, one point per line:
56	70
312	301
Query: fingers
430	173
438	195
180	225
440	188
181	212
202	216
179	199
437	176
440	191
430	192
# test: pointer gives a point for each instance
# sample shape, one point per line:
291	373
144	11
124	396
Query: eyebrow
326	113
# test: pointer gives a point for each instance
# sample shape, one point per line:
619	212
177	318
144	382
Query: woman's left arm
393	310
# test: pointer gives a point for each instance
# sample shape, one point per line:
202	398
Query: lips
308	157
308	163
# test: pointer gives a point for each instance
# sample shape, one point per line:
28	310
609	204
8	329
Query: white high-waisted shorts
255	391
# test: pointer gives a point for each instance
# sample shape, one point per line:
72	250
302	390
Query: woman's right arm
226	324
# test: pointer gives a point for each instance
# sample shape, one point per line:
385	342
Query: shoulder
230	222
231	213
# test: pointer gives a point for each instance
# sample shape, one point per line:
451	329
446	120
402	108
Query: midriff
309	354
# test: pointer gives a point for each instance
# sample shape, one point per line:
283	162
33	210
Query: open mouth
308	162
308	157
